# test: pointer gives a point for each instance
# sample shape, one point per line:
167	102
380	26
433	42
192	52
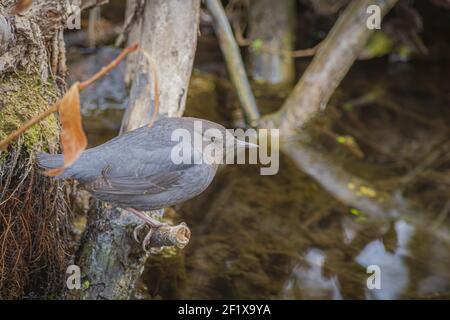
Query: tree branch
331	63
233	59
356	192
335	57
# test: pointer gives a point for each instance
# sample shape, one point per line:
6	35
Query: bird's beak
244	144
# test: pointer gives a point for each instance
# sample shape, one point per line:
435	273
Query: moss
33	206
22	97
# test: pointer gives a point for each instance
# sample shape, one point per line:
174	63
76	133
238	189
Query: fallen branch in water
359	193
55	107
336	55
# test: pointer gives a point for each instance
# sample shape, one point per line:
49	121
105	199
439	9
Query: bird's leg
149	220
153	223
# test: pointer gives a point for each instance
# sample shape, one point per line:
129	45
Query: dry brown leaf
73	138
54	172
20	6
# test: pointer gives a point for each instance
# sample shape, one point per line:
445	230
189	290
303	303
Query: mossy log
33	210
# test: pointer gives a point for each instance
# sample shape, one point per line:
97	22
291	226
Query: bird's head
218	143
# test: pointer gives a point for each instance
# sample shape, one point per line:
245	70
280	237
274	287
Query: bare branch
334	58
234	60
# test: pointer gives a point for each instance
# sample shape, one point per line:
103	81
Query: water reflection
283	236
394	271
311	280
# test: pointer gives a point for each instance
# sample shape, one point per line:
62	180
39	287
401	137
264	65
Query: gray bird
136	171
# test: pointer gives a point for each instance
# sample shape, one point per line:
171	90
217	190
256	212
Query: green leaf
257	44
86	285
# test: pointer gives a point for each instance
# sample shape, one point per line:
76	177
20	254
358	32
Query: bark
330	65
167	31
109	258
273	23
34	38
33	209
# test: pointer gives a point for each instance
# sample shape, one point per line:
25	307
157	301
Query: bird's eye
213	139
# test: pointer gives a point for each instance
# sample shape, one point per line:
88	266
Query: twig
54	108
109	67
234	61
436	152
16	133
301	53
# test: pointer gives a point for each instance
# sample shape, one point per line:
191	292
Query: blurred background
284	236
364	176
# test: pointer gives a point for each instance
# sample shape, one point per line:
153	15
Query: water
283	236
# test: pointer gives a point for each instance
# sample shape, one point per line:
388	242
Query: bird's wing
134	184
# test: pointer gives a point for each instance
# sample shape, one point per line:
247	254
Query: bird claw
137	230
147	240
148	220
148	237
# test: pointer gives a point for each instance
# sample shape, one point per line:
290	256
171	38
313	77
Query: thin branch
105	70
300	53
234	61
16	133
154	72
54	108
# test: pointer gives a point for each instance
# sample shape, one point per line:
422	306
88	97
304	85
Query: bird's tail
47	161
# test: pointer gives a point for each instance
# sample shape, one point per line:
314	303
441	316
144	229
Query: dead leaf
73	138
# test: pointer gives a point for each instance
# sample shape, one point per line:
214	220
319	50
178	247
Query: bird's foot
137	230
148	237
147	219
